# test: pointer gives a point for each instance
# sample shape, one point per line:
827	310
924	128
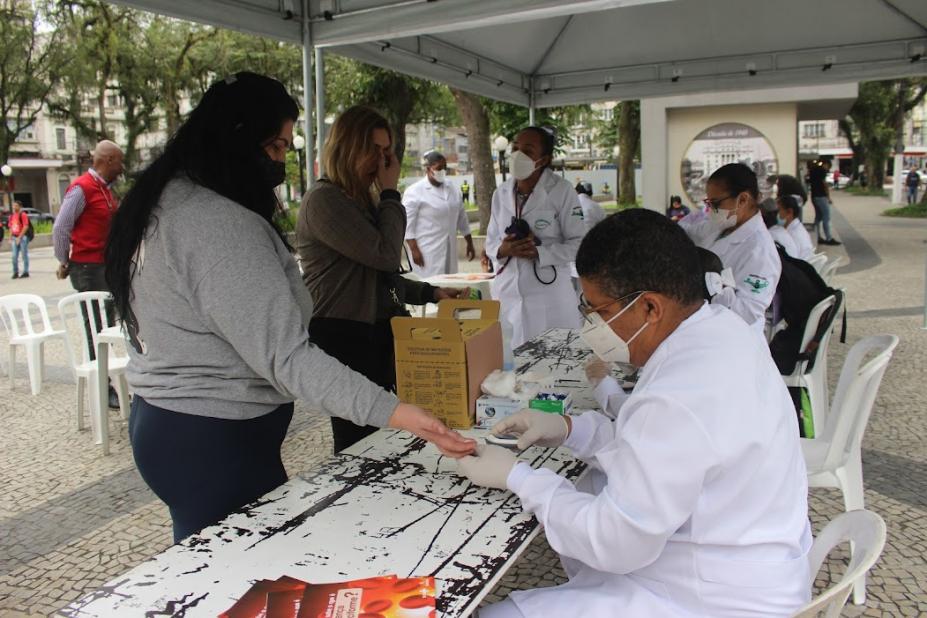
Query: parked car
37	215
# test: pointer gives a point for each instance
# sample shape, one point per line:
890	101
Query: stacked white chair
71	309
866	533
834	458
818	260
810	372
18	312
829	269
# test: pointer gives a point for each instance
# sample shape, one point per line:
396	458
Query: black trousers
365	348
91	278
205	468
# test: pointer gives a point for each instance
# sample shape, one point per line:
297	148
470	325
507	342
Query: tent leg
531	114
307	95
320	104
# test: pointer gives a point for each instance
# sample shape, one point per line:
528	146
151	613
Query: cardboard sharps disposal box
441	362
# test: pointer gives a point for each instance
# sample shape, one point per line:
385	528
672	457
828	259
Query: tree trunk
476	121
629	135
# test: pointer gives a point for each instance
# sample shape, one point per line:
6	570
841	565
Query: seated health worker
697	505
734	230
789	216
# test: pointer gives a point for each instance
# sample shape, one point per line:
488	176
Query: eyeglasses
585	309
715	205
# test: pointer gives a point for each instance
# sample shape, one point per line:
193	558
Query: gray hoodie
222	311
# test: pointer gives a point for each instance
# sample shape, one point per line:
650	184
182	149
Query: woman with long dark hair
217	313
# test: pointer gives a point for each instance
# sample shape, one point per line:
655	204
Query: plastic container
508	358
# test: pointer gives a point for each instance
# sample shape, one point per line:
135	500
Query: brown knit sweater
343	245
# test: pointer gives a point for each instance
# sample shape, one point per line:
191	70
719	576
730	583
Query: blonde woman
349	237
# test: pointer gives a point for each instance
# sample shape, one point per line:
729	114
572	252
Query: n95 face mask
439	175
521	165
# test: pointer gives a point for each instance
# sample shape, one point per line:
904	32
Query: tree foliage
876	122
508	119
29	70
401	99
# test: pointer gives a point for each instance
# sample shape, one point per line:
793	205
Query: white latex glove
597	370
490	467
534	428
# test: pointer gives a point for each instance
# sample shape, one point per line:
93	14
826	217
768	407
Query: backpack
30	232
800	288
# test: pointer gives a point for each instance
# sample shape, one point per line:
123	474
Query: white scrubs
556	217
434	217
700	508
750	253
592	210
802	240
785	239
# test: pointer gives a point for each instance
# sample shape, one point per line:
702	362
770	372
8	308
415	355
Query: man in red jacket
82	227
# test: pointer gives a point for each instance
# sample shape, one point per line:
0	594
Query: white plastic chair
818	260
834	458
866	532
829	269
70	308
18	312
811	373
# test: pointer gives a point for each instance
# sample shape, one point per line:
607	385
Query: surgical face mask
604	342
522	165
439	175
272	173
722	219
781	221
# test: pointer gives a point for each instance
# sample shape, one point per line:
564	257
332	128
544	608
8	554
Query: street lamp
500	144
7	171
299	143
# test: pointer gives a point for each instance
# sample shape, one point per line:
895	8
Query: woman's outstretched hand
419	422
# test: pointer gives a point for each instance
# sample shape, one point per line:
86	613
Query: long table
389	504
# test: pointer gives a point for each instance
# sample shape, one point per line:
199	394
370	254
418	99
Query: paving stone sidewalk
71	519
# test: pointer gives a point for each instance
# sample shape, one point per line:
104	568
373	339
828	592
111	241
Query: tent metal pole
531	101
307	95
320	104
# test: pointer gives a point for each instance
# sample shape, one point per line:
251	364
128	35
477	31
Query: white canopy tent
541	53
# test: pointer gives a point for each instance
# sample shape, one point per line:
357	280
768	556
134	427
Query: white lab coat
785	239
556	217
750	253
802	240
592	214
434	217
592	210
701	507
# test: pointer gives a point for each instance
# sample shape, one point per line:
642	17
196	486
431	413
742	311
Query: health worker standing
434	216
534	232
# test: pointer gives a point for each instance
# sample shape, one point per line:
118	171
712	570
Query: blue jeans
822	216
912	195
20	246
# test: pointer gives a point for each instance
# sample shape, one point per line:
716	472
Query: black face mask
272	173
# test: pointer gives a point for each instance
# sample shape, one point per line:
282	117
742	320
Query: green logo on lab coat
757	283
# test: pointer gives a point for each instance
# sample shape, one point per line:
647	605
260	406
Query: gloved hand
597	370
534	428
490	467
